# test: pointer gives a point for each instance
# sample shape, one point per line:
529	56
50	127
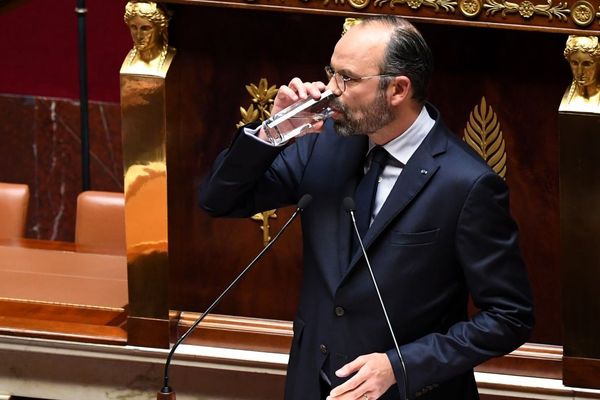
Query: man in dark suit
437	230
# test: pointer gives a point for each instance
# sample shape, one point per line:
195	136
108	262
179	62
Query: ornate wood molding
580	17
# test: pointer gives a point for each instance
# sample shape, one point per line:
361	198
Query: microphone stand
167	393
350	207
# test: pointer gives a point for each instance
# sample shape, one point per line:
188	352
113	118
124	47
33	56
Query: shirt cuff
398	371
253	133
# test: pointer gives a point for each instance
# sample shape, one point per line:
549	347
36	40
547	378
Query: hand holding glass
297	118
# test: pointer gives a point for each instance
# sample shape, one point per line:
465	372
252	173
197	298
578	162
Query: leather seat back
14	202
100	221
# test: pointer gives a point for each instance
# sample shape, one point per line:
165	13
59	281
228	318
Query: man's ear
399	90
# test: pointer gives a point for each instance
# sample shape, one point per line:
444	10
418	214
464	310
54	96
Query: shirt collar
404	146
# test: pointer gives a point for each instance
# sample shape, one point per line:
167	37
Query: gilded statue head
583	55
147	23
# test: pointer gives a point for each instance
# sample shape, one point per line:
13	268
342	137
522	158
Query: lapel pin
424	171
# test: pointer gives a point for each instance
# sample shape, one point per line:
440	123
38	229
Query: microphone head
304	201
349	204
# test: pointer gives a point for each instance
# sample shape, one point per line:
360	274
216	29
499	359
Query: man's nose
331	85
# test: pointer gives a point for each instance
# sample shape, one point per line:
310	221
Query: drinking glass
298	118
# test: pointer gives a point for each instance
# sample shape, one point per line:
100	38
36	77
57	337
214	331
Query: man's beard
373	117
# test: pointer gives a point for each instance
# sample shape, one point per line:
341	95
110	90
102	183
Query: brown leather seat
100	221
14	201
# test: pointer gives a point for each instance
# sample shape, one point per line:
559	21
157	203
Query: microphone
350	207
166	393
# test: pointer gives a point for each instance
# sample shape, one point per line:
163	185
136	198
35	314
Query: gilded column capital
583	55
148	24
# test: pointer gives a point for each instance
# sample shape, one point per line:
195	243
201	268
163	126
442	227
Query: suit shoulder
466	157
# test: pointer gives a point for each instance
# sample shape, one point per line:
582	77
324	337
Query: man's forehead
362	45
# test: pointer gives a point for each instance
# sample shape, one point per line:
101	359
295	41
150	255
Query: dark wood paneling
522	76
228	50
62	322
581	372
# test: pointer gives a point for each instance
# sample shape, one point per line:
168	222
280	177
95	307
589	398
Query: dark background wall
39	108
39	53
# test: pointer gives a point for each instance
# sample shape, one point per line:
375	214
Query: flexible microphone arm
166	391
350	207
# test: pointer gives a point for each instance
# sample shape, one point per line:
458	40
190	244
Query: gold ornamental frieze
357	4
578	13
483	134
527	9
447	5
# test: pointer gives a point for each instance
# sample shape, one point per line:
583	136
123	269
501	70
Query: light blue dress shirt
401	150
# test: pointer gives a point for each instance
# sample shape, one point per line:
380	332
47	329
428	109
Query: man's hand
294	91
374	375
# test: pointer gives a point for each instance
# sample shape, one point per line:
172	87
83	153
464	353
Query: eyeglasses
341	79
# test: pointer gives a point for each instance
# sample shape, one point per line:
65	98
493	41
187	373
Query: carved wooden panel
578	17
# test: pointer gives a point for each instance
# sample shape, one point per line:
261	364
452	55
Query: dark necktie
366	189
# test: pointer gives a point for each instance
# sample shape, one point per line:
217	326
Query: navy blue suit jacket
443	233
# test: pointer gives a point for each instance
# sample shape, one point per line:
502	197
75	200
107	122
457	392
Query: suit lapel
419	170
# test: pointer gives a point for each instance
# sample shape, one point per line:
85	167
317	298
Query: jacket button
339	311
323	349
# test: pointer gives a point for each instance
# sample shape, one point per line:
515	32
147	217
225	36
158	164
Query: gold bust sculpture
583	55
151	54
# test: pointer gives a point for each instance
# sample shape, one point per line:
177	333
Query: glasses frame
343	79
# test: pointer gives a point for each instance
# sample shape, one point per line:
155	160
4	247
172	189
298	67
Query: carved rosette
359	4
483	134
583	13
470	8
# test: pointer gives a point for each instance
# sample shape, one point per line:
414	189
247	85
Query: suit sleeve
488	252
251	176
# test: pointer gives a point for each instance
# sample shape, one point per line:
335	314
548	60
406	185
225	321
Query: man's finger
287	92
350	368
298	86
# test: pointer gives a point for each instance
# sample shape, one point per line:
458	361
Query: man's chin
344	130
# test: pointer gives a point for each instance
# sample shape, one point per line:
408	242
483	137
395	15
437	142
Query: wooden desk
61	275
61	291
